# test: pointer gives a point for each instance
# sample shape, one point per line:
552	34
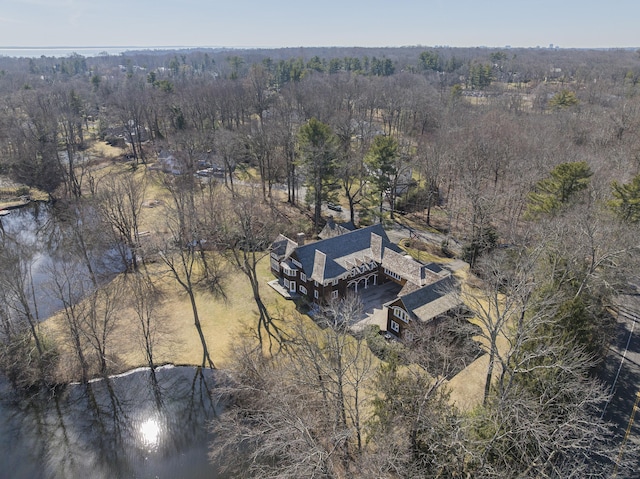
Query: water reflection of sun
150	433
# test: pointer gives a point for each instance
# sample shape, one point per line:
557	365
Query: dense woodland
528	158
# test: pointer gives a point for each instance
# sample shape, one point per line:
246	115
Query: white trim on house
392	274
337	266
288	271
400	313
371	279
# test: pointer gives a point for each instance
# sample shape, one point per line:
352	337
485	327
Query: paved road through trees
621	372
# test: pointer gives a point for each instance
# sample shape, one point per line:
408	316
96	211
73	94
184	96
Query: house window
286	283
334	294
392	274
275	265
303	277
289	271
315	294
315	283
303	290
334	282
400	313
395	326
292	286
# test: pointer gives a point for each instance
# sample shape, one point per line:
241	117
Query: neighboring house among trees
180	162
169	162
351	261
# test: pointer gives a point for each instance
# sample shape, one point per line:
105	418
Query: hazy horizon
95	51
348	23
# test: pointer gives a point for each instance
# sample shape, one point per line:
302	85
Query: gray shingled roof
436	268
283	246
340	248
408	288
408	268
332	229
432	300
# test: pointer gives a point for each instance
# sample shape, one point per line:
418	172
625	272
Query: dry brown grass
224	321
425	252
467	387
103	151
10	195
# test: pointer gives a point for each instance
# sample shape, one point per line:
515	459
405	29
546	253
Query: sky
300	23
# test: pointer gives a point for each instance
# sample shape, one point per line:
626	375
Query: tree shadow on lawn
443	348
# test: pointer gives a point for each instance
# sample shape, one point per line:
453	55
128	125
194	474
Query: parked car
334	207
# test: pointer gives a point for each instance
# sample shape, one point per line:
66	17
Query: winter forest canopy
527	158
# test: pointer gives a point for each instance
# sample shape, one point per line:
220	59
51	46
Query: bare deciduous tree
300	413
120	201
144	297
101	316
67	285
249	227
25	356
415	432
183	251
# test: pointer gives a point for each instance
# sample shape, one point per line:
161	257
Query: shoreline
12	205
137	369
7	206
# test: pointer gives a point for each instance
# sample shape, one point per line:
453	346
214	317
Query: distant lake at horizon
37	52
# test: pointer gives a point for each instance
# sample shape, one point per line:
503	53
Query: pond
41	236
128	426
123	427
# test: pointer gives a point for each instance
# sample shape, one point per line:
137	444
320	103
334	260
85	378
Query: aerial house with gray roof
352	261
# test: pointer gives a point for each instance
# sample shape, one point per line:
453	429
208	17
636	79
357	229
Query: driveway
372	300
399	232
621	370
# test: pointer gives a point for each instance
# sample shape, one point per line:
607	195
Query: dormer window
401	314
288	271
